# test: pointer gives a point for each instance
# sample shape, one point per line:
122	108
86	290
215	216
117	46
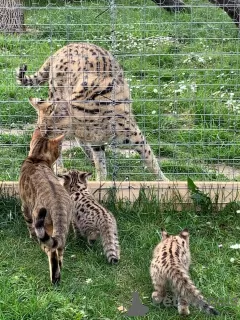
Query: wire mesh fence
180	60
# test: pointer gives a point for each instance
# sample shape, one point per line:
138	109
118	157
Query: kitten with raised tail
170	264
90	218
46	206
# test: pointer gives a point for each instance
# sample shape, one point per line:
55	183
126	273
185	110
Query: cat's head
74	180
53	116
184	235
45	149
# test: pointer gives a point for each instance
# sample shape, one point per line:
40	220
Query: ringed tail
39	77
185	288
110	244
43	236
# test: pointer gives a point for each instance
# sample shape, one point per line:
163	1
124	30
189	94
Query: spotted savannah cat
89	217
89	99
170	264
46	206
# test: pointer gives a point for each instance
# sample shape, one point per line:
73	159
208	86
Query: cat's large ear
63	178
40	104
164	235
84	176
58	139
36	134
184	234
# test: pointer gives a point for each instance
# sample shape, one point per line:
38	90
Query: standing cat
46	206
89	217
170	263
89	99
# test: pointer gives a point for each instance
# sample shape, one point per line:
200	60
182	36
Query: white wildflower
154	112
201	60
88	281
193	87
232	260
235	246
183	87
155	90
220	245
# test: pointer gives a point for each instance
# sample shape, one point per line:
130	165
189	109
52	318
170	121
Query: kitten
89	217
170	263
46	206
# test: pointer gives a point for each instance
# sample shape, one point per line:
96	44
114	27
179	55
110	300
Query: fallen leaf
122	309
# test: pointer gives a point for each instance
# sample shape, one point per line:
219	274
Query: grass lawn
183	70
92	289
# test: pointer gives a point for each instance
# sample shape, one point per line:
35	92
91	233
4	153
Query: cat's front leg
99	159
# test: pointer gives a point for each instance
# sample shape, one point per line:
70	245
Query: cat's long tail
39	77
110	242
185	288
43	236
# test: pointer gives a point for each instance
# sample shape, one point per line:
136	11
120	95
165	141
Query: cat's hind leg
133	138
159	284
29	220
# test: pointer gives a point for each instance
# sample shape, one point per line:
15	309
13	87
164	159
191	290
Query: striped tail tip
213	311
209	309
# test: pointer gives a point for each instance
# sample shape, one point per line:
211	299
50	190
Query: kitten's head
74	180
45	149
184	235
53	116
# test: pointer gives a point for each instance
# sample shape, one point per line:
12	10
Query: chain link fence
180	59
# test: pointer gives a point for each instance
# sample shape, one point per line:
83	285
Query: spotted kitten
89	99
46	206
170	264
89	217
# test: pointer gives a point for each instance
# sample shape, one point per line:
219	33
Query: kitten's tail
43	236
185	288
110	242
39	77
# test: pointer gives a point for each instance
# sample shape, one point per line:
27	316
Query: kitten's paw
156	297
183	311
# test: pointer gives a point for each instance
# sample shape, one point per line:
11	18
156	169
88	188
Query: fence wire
180	59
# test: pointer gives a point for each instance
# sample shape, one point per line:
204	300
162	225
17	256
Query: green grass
183	71
26	292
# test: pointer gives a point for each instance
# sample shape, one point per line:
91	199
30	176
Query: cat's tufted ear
84	176
164	235
58	139
63	178
184	234
87	174
36	134
40	104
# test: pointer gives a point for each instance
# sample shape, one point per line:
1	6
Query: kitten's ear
40	104
164	235
87	174
63	176
184	234
58	139
84	176
36	134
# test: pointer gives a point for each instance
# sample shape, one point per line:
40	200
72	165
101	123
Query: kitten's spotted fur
89	217
89	98
46	206
170	264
